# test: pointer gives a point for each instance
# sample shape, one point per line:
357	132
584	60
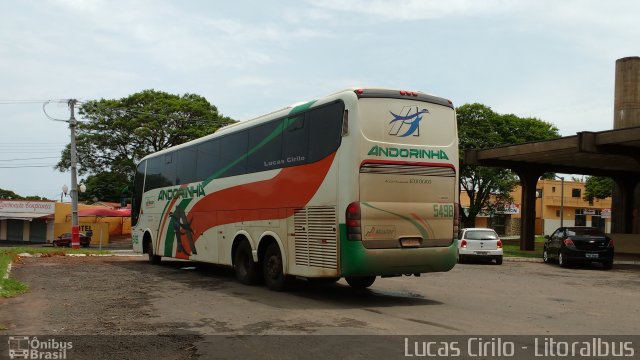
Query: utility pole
75	226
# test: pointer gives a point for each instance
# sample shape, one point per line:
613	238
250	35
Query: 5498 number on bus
443	210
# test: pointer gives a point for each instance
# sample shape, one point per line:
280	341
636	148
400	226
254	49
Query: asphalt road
127	296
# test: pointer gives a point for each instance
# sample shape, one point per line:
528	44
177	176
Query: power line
38	158
26	166
19	102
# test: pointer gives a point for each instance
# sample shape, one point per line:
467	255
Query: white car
479	243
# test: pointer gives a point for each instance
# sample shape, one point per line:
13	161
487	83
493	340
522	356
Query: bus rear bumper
356	260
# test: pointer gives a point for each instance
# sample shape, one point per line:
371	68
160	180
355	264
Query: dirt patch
91	296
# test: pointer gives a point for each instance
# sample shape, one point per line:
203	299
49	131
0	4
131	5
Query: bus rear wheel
360	282
272	269
247	271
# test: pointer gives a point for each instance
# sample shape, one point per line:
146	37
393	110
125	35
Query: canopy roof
104	212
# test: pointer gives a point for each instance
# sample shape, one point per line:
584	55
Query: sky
553	60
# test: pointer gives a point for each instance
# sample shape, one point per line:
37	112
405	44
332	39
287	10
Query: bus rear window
407	122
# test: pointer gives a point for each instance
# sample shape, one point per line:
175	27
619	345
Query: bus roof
360	92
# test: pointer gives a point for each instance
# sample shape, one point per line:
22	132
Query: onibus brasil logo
407	122
26	347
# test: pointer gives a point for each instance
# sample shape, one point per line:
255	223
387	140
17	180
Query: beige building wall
550	203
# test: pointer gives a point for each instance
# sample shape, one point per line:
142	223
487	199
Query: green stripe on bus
171	234
423	231
277	131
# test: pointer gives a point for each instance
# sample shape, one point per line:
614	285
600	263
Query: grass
11	287
512	248
12	251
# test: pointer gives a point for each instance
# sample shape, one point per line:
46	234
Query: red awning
105	212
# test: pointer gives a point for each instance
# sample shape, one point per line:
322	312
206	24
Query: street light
561	200
65	191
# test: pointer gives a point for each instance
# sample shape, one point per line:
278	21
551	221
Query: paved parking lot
125	295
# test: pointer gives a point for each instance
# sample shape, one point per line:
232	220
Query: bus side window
326	129
208	161
233	154
265	147
169	169
154	174
186	165
295	147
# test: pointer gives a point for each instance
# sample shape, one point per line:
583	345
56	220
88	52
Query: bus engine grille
316	237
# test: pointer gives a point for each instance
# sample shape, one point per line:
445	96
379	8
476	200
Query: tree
105	186
115	134
598	187
480	127
35	197
9	195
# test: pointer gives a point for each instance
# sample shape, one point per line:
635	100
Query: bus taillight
408	93
456	219
354	231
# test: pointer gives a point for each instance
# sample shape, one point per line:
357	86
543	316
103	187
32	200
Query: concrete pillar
528	180
626	113
626	101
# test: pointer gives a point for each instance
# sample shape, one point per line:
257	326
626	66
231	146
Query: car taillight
499	244
568	242
463	243
610	243
354	231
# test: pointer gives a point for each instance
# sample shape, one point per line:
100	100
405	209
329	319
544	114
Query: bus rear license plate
410	242
592	256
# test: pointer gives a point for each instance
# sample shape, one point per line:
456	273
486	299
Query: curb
538	260
6	275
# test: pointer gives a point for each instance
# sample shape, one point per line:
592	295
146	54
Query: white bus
358	184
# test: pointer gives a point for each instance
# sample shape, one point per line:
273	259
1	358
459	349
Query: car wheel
499	260
561	260
545	256
247	271
607	264
272	269
460	259
360	282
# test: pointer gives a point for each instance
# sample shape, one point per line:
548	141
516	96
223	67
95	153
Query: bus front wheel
272	269
153	259
360	282
247	271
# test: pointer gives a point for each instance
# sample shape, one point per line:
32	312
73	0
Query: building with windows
557	203
39	222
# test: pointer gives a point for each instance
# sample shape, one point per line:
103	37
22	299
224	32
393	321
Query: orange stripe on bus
292	188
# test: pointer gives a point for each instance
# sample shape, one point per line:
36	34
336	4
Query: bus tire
154	259
272	269
247	271
360	282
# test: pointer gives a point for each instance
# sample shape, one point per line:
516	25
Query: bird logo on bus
407	122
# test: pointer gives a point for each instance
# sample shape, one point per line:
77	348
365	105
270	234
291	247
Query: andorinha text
182	192
408	153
